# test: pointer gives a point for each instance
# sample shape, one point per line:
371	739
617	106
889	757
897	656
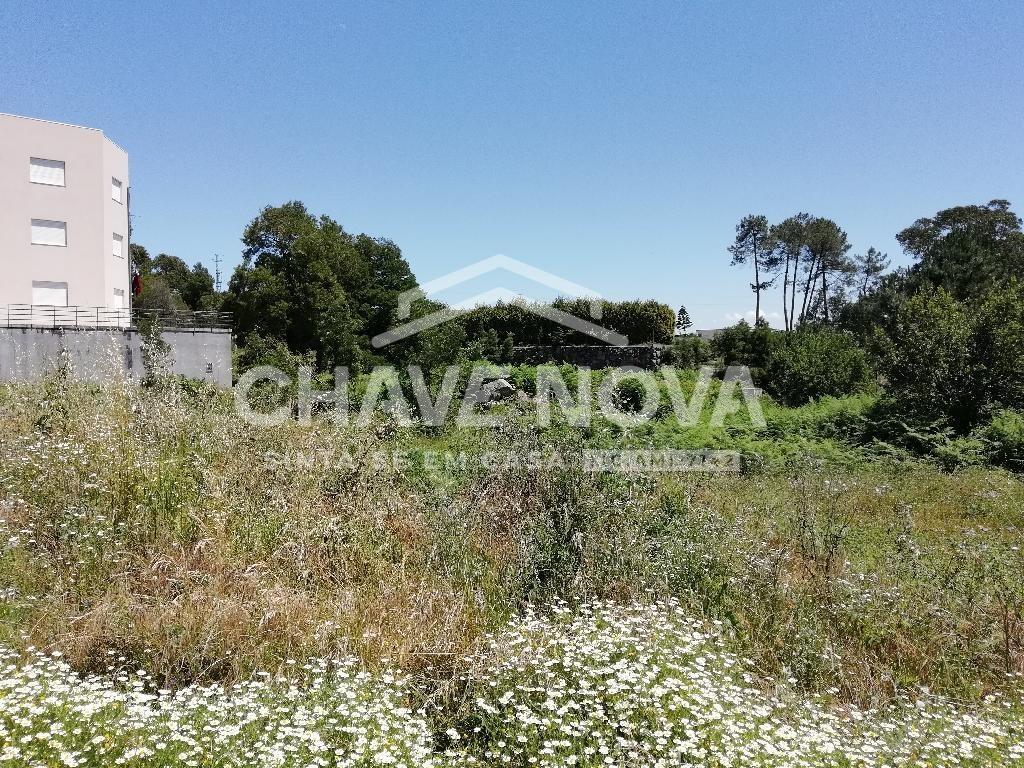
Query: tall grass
148	529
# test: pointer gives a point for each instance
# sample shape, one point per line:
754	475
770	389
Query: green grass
149	529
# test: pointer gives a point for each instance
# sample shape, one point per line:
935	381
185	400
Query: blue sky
614	144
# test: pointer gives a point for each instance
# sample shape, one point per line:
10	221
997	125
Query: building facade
63	217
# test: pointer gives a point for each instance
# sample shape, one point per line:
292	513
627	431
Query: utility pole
216	272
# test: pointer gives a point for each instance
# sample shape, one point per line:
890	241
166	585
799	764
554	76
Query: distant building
63	216
708	334
65	269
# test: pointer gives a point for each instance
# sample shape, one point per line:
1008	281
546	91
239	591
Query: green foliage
440	346
997	348
1005	436
966	250
264	350
925	361
683	321
687	352
168	283
629	395
742	344
812	363
754	245
308	283
640	321
948	364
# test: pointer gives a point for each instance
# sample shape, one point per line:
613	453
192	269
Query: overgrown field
179	587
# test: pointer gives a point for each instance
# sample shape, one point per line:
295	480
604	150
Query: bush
687	352
743	344
951	364
810	364
997	348
925	360
640	321
798	366
1005	434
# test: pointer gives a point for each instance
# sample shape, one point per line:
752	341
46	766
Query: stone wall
99	354
591	355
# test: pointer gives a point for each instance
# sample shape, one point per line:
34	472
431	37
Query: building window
49	172
115	190
49	294
45	232
118	246
118	298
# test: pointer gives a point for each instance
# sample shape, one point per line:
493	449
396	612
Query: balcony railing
49	316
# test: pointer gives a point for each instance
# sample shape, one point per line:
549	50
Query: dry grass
150	528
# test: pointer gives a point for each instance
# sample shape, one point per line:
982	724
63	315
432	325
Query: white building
63	218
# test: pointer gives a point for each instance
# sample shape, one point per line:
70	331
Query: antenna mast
216	271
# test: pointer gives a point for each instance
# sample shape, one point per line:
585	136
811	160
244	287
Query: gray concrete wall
99	354
200	354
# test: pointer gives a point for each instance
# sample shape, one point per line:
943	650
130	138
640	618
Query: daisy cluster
647	685
598	685
330	715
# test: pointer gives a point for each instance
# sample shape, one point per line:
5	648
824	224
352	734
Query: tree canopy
168	283
967	249
308	282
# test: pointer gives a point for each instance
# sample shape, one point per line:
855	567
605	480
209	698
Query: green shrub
687	352
1005	434
640	321
810	364
998	349
925	361
744	345
951	364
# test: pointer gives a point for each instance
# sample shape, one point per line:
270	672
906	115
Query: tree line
309	291
940	341
811	257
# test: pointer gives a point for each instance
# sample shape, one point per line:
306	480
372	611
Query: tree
683	322
139	256
307	282
788	239
997	346
815	363
169	284
191	284
827	261
966	249
869	269
925	360
375	281
743	344
753	244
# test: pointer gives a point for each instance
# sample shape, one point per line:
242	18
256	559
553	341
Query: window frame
33	225
64	168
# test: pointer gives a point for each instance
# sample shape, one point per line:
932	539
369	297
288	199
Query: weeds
148	529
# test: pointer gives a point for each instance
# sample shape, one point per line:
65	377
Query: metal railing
51	316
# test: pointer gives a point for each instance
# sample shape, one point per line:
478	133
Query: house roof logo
499	293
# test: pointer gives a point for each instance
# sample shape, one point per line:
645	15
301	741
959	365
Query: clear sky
614	144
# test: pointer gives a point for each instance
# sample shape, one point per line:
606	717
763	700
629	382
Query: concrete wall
86	263
591	355
200	354
99	355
